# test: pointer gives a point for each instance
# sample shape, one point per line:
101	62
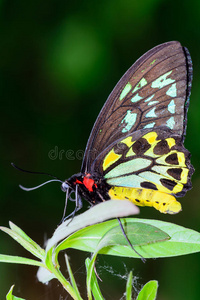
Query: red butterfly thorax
88	182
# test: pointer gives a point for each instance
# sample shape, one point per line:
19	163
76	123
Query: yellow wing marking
163	202
184	175
181	159
110	158
171	142
128	141
150	137
163	170
130	153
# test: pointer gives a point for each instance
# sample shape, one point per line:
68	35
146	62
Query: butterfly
135	150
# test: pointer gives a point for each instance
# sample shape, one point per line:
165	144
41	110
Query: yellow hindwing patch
149	171
110	158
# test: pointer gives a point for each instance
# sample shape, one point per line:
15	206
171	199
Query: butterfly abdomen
163	202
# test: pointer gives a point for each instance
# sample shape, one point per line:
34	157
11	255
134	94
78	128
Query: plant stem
67	286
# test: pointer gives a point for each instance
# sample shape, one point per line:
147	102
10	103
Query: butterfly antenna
32	172
38	186
125	235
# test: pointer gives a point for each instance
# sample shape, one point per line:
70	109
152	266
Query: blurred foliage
59	62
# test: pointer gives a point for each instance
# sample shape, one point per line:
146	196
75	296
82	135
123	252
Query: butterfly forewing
152	93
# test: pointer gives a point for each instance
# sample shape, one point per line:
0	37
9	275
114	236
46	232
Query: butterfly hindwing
152	93
148	168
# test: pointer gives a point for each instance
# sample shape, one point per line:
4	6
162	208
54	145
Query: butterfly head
69	188
65	186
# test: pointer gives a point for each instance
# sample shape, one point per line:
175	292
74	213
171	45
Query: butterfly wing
154	92
148	168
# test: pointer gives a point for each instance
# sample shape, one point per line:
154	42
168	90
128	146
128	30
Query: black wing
153	93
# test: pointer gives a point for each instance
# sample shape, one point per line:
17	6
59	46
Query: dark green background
59	62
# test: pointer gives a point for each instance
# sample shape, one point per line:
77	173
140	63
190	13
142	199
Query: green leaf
129	286
20	260
94	283
150	238
114	242
138	234
10	296
149	291
18	230
19	236
182	240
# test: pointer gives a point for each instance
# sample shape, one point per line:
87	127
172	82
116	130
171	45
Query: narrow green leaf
129	286
149	291
72	279
49	259
10	296
23	242
18	230
90	271
94	283
20	260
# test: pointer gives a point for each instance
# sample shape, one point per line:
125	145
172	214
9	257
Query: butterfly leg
78	206
65	208
124	233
